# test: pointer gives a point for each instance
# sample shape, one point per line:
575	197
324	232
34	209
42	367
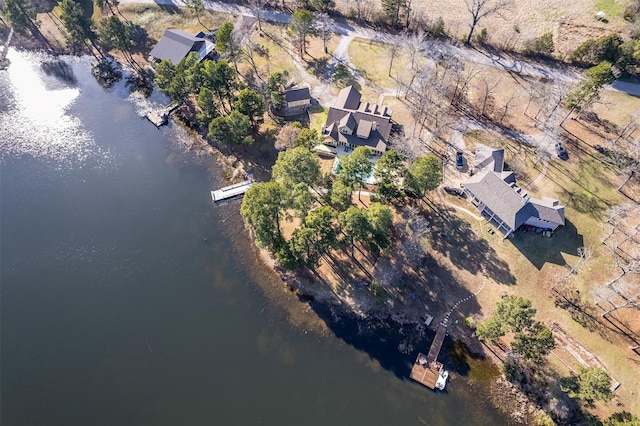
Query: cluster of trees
327	218
625	55
532	339
20	14
228	109
304	23
110	33
589	385
588	90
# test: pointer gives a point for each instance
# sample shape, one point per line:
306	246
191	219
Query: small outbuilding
297	97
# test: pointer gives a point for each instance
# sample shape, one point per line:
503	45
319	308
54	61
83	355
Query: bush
594	51
540	46
438	28
482	37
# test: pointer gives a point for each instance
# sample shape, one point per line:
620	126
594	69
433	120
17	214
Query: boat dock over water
426	369
4	62
232	190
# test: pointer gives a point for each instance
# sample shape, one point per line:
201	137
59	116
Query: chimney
374	126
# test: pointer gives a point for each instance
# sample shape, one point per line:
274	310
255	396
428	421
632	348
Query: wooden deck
158	118
426	368
436	345
425	373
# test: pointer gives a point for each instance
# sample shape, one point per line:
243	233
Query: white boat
442	379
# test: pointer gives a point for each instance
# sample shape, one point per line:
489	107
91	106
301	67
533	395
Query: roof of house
548	209
370	123
175	45
297	94
488	158
504	199
348	98
364	129
375	140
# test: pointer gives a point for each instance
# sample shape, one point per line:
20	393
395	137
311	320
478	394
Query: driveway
432	46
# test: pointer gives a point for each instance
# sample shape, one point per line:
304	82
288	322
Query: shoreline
411	336
353	325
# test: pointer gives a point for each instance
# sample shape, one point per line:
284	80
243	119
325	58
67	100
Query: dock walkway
232	190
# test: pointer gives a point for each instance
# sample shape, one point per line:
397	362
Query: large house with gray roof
175	45
493	191
352	123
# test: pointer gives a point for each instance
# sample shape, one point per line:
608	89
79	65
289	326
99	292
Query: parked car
562	153
454	191
459	160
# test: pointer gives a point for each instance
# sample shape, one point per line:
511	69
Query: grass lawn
156	19
612	8
318	117
275	56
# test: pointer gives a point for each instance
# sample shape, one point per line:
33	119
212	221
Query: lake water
127	298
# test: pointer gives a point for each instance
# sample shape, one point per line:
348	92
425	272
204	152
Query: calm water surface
127	298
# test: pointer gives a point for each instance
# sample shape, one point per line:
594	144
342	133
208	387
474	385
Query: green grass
318	117
611	7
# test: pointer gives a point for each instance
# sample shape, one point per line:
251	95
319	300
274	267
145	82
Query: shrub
594	51
540	46
438	28
482	37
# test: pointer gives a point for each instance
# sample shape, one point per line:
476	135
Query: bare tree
394	48
362	8
257	7
463	81
480	9
488	88
508	104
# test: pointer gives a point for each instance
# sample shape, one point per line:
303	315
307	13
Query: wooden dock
426	368
232	190
158	118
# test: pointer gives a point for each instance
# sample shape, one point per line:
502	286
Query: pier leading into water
426	369
232	190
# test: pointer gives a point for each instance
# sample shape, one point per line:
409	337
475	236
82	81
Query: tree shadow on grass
540	250
317	67
342	77
142	42
454	237
169	8
394	336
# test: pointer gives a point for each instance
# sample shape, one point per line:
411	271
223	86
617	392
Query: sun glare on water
34	119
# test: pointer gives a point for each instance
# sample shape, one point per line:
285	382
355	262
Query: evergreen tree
300	27
251	104
356	168
424	175
261	208
296	165
20	15
393	10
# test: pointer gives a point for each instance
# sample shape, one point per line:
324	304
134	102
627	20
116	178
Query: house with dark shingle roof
352	123
493	191
175	45
297	97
